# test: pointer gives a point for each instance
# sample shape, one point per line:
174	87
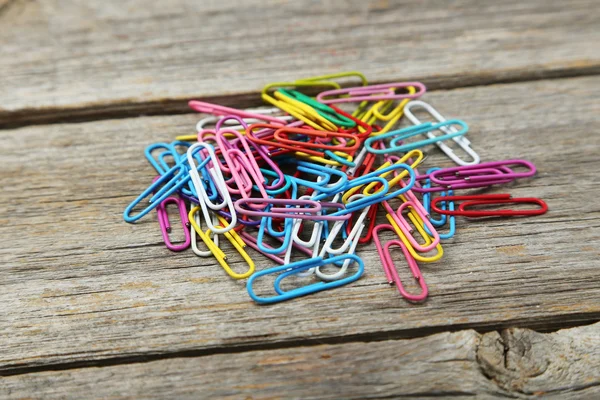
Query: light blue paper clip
411	131
300	266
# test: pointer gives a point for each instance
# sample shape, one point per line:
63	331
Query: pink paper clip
424	217
165	225
243	166
241	143
390	269
407	229
216	109
385	91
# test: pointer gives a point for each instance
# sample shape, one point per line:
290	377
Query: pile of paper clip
307	175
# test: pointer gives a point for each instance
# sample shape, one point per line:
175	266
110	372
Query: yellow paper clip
296	108
329	78
221	258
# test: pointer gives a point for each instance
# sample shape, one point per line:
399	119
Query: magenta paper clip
165	225
385	91
472	173
216	109
475	176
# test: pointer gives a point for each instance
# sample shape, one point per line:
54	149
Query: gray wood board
79	284
514	363
61	60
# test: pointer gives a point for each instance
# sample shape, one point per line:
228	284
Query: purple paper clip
474	173
288	212
474	176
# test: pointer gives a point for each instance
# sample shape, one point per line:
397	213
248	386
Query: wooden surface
61	60
90	302
515	363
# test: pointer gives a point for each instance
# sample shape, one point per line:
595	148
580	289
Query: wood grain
515	363
78	285
61	60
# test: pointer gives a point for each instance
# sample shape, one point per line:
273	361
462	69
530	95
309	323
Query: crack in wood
369	337
175	106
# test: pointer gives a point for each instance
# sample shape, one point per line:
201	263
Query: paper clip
324	175
420	228
322	109
487	200
171	181
327	79
385	91
473	176
194	236
288	212
375	112
165	226
298	109
388	168
300	266
216	109
272	111
405	133
217	178
443	219
252	243
462	141
390	270
405	227
484	173
159	164
371	218
298	243
221	258
349	244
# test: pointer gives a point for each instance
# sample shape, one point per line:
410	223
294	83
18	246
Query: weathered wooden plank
516	363
563	364
76	59
79	284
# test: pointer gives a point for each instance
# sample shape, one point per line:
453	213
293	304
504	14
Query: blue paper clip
443	218
171	181
286	233
339	159
159	163
378	197
325	174
405	133
309	289
162	166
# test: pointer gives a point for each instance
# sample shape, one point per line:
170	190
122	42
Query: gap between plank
543	325
174	106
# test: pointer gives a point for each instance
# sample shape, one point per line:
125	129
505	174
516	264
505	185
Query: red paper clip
488	199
